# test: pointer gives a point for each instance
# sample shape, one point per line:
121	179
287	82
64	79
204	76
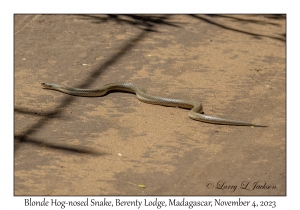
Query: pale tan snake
196	107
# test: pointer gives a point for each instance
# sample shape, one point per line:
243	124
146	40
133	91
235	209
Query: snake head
50	86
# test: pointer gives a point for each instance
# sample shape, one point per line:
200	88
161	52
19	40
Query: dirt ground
116	145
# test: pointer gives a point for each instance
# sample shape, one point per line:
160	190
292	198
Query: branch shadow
245	20
72	149
25	111
144	22
256	35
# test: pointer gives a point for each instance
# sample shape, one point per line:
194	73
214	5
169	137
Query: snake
196	109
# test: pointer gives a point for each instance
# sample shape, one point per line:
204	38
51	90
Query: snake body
142	95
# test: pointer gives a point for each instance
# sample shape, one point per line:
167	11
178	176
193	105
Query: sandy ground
114	145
